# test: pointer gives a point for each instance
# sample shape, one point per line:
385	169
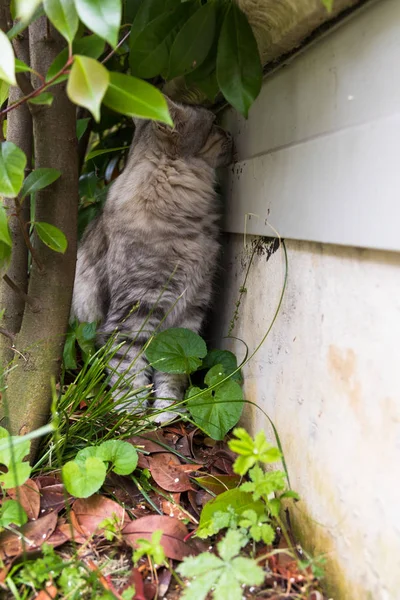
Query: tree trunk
41	338
19	131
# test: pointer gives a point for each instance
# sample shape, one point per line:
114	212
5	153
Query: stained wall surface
328	374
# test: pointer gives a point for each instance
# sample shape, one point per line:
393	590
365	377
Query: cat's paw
163	416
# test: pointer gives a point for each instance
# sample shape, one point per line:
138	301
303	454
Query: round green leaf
5	235
122	455
12	165
87	84
82	479
136	98
17	475
102	17
193	42
39	179
239	70
176	350
216	411
225	358
63	15
7	60
51	236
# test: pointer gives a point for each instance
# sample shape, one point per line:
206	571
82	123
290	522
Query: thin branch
31	303
113	51
38	90
22	224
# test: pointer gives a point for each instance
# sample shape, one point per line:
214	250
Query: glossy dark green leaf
69	352
87	84
239	70
150	49
130	9
81	126
44	98
176	350
224	357
102	17
63	15
39	179
136	98
7	60
12	165
94	153
90	45
149	10
193	42
86	336
53	237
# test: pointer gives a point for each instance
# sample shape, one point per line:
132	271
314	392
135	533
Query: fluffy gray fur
150	257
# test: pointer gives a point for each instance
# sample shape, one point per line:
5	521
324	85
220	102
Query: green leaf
216	411
122	455
39	179
17	475
21	67
5	257
82	479
7	60
150	49
247	571
176	350
95	153
86	336
149	10
193	42
90	45
51	236
81	126
43	98
328	4
225	358
227	587
24	9
63	15
136	98
239	70
4	91
87	84
238	500
251	451
12	165
12	513
263	484
14	448
5	236
69	352
231	544
102	17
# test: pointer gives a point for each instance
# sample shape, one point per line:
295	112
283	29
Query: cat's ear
176	112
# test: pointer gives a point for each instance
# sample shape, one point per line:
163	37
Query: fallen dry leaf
150	442
174	532
49	593
166	472
54	498
30	537
28	496
217	484
91	512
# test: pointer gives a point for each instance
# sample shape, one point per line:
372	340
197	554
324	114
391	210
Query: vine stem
38	90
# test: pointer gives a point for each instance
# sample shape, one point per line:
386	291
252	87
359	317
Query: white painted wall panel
319	154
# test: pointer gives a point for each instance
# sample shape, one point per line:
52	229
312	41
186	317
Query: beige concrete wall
328	376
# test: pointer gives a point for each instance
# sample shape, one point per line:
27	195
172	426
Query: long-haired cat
148	261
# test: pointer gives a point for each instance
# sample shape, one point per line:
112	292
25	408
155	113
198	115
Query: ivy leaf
102	17
16	475
235	500
239	70
63	15
136	98
82	479
5	236
176	350
87	84
225	358
122	455
12	165
39	179
12	513
44	98
251	451
51	236
90	45
24	9
217	410
193	42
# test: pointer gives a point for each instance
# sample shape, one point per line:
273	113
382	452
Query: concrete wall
328	374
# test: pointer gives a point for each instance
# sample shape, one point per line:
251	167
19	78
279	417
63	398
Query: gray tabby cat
150	257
